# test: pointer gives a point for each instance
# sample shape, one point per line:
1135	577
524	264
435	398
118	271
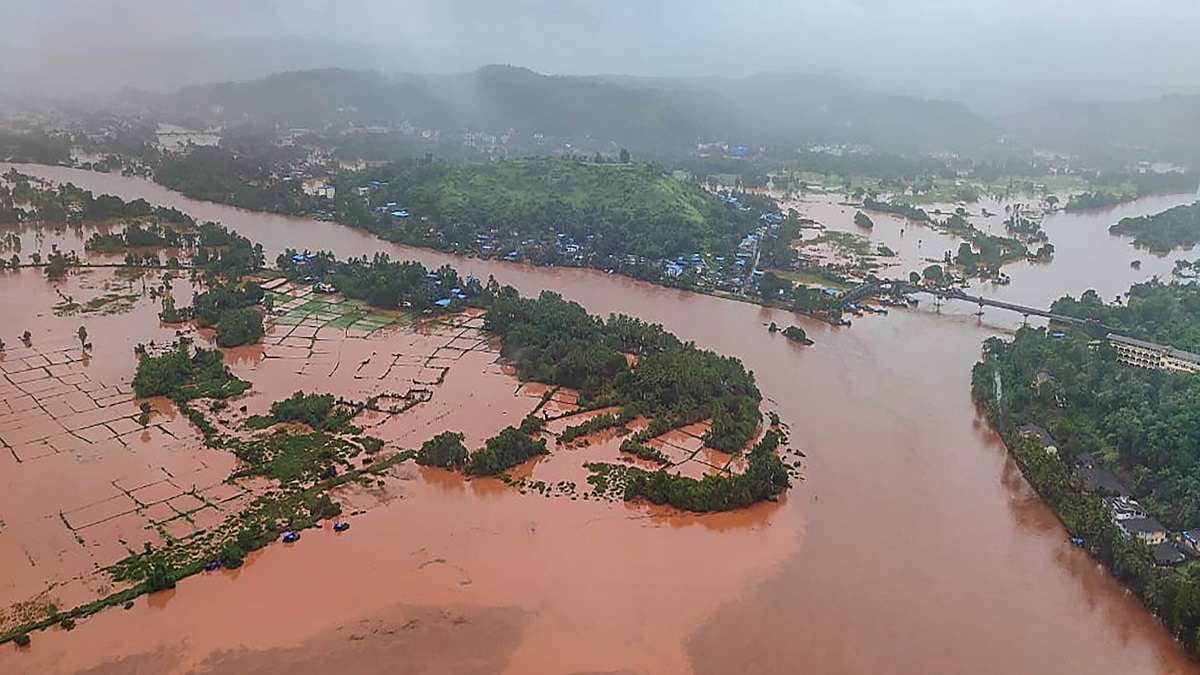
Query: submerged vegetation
445	450
510	447
797	334
1097	200
619	361
182	373
552	340
765	478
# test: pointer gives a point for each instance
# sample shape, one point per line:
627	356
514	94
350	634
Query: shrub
239	327
183	376
311	409
445	450
507	449
232	555
160	578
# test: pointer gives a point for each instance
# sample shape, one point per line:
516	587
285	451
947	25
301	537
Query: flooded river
912	546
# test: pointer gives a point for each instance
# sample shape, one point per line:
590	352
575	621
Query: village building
1147	529
1150	355
1098	479
1167	554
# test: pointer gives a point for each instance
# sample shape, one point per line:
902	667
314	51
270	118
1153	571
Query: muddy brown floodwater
913	546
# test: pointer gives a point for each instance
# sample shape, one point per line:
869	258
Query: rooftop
1098	479
1142	525
1154	346
1166	553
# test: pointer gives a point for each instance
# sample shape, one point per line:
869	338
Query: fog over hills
912	75
992	54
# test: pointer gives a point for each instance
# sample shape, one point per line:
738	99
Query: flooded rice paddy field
913	544
85	483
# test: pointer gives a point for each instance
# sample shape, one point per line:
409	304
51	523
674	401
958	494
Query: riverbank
1059	445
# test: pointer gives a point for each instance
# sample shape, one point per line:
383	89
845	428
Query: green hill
661	116
607	210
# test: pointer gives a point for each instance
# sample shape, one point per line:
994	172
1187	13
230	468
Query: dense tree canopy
1167	313
247	176
617	209
556	341
1144	424
1177	227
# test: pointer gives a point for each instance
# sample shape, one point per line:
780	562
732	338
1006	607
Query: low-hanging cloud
981	48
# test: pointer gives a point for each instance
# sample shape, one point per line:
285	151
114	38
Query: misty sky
964	48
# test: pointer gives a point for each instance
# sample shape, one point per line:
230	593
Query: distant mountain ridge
1166	127
668	116
655	114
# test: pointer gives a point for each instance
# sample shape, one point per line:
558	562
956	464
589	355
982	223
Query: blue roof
444	302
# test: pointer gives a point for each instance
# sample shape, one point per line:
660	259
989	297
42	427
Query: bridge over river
867	289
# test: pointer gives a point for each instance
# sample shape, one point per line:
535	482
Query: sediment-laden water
912	546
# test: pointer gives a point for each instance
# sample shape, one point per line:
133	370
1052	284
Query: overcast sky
1114	48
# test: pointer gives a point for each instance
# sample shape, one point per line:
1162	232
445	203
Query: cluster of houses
733	201
727	149
1167	548
714	271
